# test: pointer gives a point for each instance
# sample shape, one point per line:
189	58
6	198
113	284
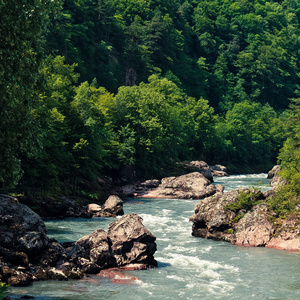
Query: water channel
188	267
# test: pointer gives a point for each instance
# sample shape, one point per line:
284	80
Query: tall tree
22	25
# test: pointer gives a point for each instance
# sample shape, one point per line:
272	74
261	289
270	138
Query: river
188	267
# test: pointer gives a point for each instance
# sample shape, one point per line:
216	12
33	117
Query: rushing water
188	267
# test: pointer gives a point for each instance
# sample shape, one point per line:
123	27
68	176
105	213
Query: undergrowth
245	201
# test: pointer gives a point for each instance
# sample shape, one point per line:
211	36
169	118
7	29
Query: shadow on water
163	264
19	297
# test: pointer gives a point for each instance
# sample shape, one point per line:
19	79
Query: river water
188	267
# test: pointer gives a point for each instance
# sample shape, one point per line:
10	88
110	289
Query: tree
289	156
22	26
250	136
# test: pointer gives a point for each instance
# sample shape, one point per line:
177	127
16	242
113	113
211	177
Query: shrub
284	201
246	200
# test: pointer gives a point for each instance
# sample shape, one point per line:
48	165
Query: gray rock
212	219
112	207
189	186
131	241
273	172
21	229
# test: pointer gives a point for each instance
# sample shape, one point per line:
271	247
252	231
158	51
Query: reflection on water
188	267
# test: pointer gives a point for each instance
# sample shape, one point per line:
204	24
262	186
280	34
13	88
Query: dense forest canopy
90	88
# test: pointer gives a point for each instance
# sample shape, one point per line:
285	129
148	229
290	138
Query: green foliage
3	290
283	202
245	201
249	128
22	25
151	129
172	66
287	196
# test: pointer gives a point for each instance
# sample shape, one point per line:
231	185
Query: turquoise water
188	267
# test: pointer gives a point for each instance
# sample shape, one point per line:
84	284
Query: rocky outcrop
202	167
273	172
153	188
112	207
190	186
26	253
287	235
276	180
251	223
218	171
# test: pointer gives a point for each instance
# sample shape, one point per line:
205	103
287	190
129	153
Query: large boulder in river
189	186
93	252
132	242
126	242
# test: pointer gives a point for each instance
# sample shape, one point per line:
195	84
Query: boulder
189	186
94	208
132	243
211	219
245	227
95	247
273	172
21	229
150	184
112	207
126	242
218	171
198	166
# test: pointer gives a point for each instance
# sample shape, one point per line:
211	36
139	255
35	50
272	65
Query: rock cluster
195	183
27	254
256	226
190	186
208	171
112	207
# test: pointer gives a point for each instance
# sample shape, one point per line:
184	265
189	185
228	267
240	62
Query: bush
284	201
246	200
3	290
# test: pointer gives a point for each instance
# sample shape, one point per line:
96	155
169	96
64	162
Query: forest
126	89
